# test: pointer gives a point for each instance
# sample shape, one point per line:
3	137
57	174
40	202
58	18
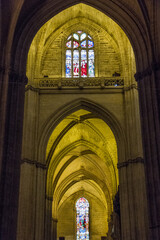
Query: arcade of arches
73	133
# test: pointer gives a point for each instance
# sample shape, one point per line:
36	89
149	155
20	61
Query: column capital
153	67
15	77
140	75
55	220
2	69
49	198
33	162
130	161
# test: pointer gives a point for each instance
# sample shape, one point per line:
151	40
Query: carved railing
81	82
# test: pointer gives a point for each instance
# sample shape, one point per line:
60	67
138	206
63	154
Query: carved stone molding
29	87
2	69
130	161
132	86
14	77
155	66
49	198
80	82
55	220
140	75
17	78
37	164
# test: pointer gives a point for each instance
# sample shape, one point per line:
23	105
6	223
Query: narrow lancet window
82	219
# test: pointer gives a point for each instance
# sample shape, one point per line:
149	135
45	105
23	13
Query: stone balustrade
80	82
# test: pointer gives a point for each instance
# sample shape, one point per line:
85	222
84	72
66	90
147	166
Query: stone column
134	219
148	84
133	201
48	219
32	179
54	229
27	201
11	111
40	202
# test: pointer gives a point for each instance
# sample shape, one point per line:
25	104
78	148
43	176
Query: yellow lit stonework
80	149
113	51
82	158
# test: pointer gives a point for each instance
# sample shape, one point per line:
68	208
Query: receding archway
82	160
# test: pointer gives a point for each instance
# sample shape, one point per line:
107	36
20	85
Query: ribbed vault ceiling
82	157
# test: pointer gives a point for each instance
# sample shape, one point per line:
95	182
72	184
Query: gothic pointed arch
133	27
97	111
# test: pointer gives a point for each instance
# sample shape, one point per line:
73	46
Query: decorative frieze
80	82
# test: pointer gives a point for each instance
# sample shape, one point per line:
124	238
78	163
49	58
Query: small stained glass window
83	44
82	219
75	44
68	44
76	36
69	37
80	57
83	36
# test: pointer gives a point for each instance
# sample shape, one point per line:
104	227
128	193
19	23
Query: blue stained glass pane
82	208
76	36
68	54
75	44
91	72
83	54
68	44
90	44
83	36
83	44
75	54
91	54
68	63
68	68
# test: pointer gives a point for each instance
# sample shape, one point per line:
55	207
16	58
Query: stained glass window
80	55
82	219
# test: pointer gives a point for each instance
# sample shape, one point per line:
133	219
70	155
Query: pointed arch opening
82	164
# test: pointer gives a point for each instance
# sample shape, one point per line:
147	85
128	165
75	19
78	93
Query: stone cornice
130	161
155	66
37	164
